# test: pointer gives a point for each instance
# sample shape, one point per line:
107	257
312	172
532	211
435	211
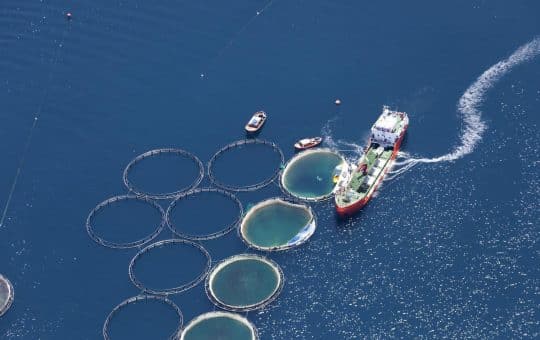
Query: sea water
446	250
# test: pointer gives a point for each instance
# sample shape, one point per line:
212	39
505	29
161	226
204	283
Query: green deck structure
385	133
370	158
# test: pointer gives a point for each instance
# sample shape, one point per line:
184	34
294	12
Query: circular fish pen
163	152
7	295
276	224
219	325
90	227
244	282
312	175
162	245
238	145
140	300
202	213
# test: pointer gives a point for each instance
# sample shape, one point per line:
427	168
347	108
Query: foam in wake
469	107
352	151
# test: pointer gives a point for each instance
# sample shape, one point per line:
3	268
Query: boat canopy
255	121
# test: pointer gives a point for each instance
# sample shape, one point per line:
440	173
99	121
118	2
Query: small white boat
256	122
307	143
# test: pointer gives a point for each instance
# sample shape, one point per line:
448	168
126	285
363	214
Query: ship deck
375	167
371	166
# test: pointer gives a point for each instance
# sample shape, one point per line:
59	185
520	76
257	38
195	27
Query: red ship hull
356	206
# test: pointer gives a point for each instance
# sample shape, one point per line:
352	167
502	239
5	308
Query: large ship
356	189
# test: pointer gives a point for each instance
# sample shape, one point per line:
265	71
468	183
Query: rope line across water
210	236
249	187
139	298
173	290
167	195
133	244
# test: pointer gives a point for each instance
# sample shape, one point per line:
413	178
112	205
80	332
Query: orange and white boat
307	143
256	122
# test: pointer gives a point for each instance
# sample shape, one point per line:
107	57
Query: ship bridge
387	128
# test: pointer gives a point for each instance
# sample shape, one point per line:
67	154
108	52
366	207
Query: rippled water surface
446	249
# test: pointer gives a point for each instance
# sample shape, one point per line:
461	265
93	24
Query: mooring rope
37	115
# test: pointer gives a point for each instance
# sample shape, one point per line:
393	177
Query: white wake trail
469	107
352	151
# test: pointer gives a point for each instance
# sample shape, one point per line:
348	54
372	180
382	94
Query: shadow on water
253	135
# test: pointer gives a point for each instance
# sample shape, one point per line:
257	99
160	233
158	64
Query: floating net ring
7	295
249	187
210	236
222	330
174	290
167	195
238	306
341	164
117	245
141	298
303	235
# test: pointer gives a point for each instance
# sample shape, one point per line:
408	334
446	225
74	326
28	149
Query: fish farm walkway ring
240	257
167	195
173	290
218	314
294	159
249	187
10	297
310	227
210	236
133	244
139	298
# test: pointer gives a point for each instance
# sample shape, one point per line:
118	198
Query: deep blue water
444	250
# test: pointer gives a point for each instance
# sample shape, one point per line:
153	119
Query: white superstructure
388	127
